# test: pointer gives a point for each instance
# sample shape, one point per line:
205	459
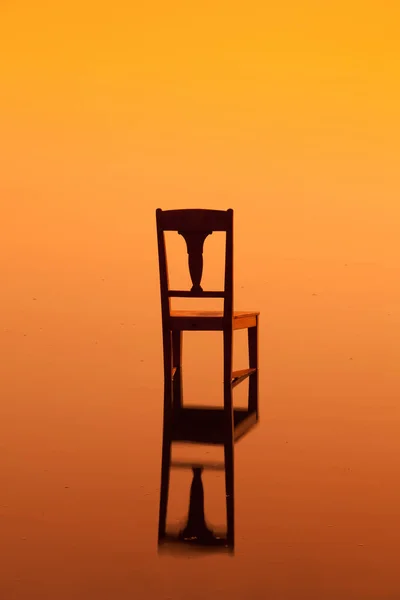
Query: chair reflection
195	534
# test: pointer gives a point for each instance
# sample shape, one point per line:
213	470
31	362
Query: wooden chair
200	424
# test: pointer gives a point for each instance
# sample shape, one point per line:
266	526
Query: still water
317	487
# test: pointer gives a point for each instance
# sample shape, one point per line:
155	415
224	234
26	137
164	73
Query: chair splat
195	243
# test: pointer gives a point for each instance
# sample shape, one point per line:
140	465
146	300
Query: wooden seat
205	425
209	320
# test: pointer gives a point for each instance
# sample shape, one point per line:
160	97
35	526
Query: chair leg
167	435
177	363
229	439
164	488
252	334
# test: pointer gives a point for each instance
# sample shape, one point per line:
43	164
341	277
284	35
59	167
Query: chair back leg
164	489
167	434
228	437
177	365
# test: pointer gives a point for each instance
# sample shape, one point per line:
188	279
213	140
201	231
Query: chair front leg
252	334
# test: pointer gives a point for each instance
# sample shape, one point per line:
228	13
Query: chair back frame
195	225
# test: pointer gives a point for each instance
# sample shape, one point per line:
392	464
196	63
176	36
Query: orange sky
289	113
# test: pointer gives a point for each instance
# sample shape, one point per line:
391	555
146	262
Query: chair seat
206	320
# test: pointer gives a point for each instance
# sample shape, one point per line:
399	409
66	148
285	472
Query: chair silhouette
225	425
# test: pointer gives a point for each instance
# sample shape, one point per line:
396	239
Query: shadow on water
195	535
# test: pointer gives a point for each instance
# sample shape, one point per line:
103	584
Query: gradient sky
290	112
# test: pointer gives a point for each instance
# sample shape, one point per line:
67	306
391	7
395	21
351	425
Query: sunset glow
288	113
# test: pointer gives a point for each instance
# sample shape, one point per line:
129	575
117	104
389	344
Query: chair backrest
195	225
